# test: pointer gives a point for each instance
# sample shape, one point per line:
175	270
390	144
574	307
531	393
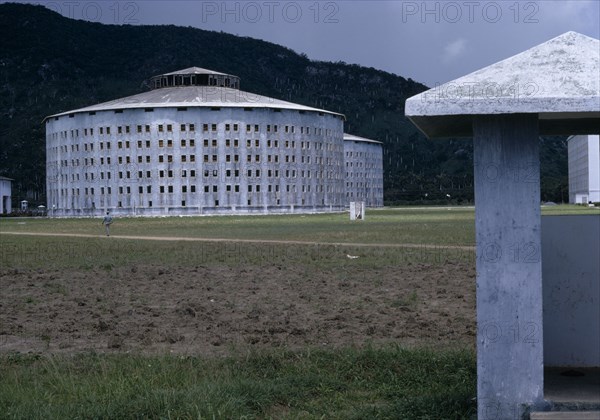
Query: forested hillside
50	64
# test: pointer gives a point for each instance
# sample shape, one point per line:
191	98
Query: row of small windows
193	189
183	203
368	175
367	165
366	155
207	158
304	145
191	128
360	185
271	173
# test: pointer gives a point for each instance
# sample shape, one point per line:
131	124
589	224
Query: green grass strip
351	383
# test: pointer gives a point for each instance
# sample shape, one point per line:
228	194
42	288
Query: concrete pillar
509	271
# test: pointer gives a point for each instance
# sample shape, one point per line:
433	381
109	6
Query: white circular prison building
195	144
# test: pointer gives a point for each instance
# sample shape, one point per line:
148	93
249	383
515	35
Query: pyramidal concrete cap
559	80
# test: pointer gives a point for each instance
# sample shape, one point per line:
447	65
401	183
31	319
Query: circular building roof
195	87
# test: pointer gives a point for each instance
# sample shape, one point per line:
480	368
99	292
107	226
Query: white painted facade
185	149
584	169
364	170
5	195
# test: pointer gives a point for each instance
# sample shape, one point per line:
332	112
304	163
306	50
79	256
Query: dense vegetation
50	64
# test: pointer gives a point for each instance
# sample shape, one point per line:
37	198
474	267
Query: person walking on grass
106	222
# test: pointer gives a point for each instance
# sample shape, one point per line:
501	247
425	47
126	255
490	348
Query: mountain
50	64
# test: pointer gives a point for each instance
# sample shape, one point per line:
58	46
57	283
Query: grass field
438	225
435	225
366	380
389	382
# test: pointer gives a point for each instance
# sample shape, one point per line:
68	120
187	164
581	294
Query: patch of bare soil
213	310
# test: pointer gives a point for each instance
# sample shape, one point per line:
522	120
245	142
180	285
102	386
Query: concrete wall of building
193	161
364	172
5	196
571	290
509	269
584	169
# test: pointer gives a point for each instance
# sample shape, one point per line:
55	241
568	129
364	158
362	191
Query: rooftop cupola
195	76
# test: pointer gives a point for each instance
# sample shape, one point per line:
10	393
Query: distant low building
584	169
363	159
5	194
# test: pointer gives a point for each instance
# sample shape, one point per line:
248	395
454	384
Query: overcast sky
429	41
